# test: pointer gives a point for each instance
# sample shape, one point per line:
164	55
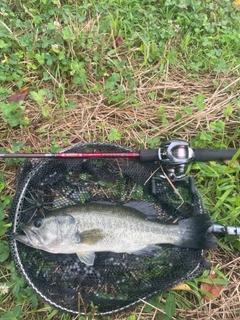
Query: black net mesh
115	281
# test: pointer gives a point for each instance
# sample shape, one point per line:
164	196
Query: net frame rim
15	251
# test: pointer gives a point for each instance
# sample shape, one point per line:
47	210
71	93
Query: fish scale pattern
116	281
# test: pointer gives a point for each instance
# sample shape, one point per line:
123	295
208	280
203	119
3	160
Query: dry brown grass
93	119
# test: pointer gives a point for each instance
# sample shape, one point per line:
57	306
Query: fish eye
37	223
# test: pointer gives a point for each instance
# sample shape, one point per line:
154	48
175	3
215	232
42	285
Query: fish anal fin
91	236
86	257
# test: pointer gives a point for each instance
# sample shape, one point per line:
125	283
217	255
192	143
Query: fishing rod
172	150
173	155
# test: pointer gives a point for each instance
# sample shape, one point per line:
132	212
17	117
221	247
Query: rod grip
149	155
212	154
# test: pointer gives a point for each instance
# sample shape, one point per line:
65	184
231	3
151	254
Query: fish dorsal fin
86	257
143	206
91	236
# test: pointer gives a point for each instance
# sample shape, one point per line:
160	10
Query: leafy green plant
16	146
55	147
198	101
154	143
39	97
14	314
166	309
12	113
5	201
3	244
22	293
114	135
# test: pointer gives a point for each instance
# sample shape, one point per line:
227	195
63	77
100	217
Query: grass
132	72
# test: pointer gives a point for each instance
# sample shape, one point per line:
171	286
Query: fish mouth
30	238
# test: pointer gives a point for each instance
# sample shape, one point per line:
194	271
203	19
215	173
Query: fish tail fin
195	232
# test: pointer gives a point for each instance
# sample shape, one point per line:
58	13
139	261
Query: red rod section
72	155
99	155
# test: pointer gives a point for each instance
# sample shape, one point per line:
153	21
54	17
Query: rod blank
72	155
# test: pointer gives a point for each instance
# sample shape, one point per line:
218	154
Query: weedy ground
134	73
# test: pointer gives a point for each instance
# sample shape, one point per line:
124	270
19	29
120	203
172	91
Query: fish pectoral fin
86	257
146	250
91	236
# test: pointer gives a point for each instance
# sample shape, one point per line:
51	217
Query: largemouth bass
93	227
